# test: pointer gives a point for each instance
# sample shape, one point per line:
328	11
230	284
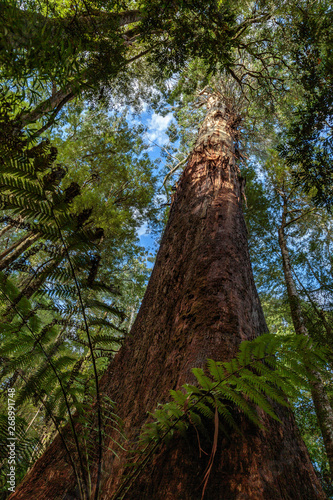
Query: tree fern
49	270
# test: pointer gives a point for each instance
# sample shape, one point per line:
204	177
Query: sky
156	138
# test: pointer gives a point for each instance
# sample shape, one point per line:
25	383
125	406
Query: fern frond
264	373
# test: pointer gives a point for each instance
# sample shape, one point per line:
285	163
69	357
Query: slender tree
201	302
289	242
320	398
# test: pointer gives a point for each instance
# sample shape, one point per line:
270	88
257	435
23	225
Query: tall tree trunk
201	302
320	398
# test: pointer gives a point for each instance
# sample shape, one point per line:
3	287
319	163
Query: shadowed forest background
245	89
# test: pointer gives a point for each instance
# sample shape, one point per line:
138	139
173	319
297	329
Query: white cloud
142	229
157	126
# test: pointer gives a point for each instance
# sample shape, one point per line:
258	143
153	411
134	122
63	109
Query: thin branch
174	170
53	116
319	313
299	217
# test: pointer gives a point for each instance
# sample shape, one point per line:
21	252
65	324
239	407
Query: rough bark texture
201	302
320	398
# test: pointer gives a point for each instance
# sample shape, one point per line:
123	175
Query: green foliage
307	423
24	447
40	40
89	40
53	52
307	144
266	371
113	169
60	324
308	237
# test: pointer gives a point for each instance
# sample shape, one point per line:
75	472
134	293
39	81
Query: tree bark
201	302
320	398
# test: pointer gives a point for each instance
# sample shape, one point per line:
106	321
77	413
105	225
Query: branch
53	116
319	312
299	217
174	169
56	101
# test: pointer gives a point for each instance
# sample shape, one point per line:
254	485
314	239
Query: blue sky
156	139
